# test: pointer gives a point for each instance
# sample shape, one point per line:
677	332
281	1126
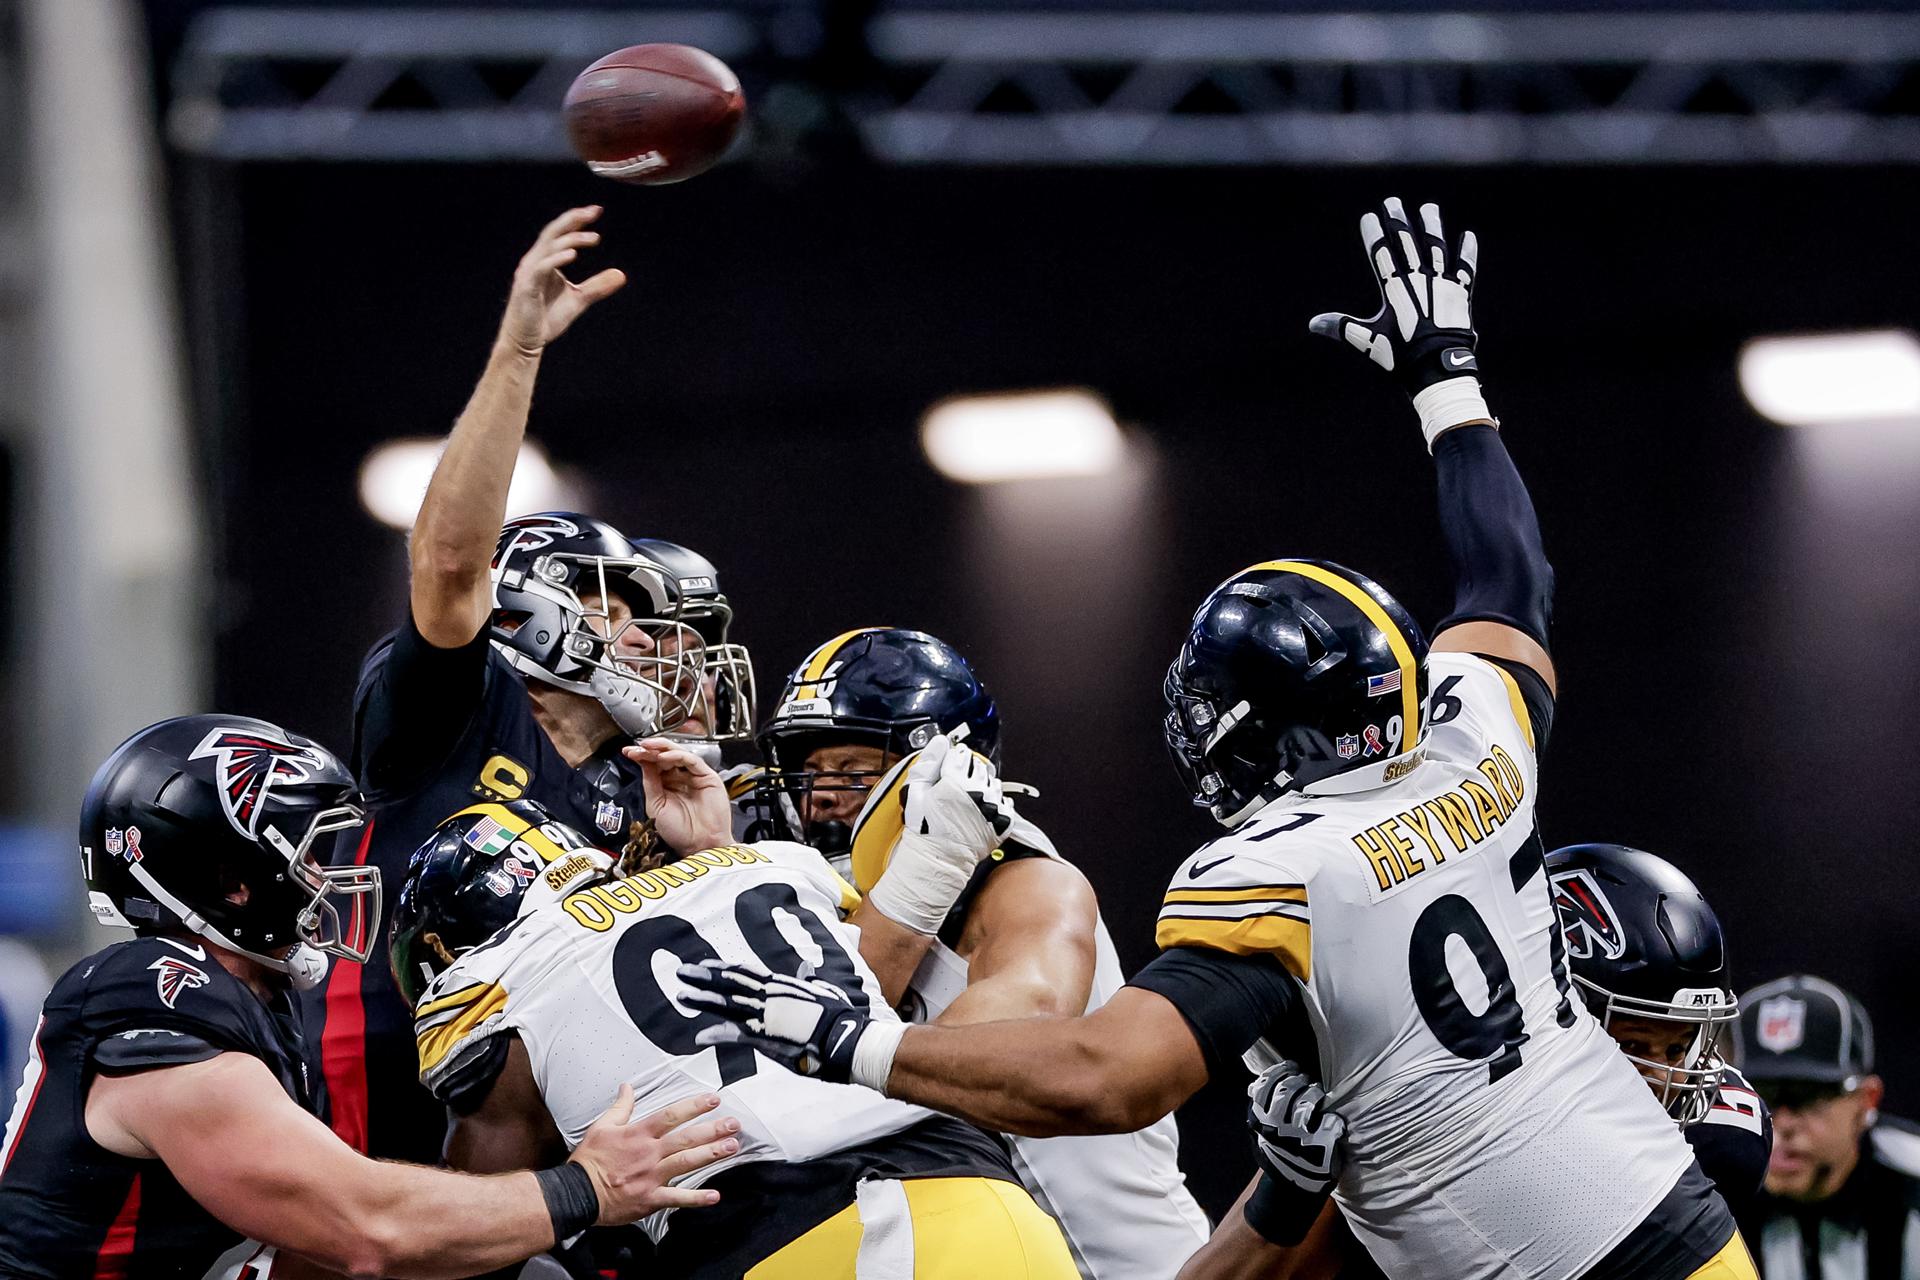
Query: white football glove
1296	1135
1423	332
954	814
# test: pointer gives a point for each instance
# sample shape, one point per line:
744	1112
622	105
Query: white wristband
922	881
1446	405
873	1054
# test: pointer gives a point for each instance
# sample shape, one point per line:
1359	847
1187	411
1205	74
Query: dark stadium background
1738	622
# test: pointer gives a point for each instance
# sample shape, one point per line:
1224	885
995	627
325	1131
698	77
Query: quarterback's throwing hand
810	1025
1423	332
544	302
1296	1135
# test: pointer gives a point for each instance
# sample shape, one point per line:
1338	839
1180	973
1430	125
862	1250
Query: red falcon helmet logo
249	765
176	975
1586	917
530	533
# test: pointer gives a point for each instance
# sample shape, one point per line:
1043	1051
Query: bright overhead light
1870	376
393	480
1022	436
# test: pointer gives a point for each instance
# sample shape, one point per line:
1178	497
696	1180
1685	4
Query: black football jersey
71	1208
1734	1141
436	730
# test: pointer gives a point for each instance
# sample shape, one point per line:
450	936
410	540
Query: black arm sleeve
1500	569
1231	1001
414	704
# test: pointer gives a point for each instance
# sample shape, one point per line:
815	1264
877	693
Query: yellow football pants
1732	1263
929	1229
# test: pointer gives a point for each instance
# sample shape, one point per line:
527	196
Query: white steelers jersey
1476	1088
1120	1198
588	983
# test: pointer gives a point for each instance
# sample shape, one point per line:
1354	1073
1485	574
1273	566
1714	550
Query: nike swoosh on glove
1423	333
810	1025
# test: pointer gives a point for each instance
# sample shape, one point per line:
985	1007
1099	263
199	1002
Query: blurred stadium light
1022	436
1062	87
394	477
1813	379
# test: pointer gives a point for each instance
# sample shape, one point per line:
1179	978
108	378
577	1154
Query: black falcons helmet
724	702
470	878
189	813
882	686
553	576
1296	675
1643	943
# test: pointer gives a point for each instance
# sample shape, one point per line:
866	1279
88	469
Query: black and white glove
1423	332
808	1024
953	814
1296	1140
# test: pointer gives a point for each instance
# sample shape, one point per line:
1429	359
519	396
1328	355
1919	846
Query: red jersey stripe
110	1263
343	1044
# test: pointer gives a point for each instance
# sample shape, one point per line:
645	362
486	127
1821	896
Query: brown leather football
654	113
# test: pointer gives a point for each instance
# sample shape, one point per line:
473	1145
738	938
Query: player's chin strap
305	966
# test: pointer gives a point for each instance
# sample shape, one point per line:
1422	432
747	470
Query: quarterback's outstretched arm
466	502
243	1149
1423	335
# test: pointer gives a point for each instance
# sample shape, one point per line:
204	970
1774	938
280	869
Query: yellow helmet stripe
874	836
1396	639
820	659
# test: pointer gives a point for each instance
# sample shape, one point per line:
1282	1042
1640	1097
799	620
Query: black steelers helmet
553	576
470	879
1643	943
1296	675
191	813
886	687
724	700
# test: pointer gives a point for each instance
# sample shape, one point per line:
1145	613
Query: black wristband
1280	1211
572	1202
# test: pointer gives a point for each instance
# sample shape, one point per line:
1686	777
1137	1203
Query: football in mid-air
654	113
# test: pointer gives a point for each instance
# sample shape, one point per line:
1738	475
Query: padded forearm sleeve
1500	569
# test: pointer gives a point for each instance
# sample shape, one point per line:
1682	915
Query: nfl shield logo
607	816
116	841
1782	1024
1348	745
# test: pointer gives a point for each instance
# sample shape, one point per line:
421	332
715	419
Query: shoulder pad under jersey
164	1001
1245	894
